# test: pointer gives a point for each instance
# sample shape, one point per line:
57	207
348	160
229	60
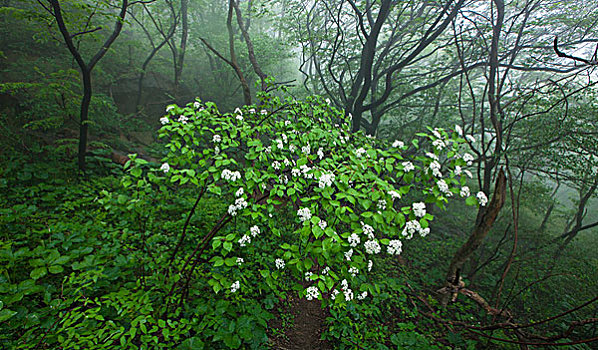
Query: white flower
407	167
244	240
287	122
305	169
240	261
254	230
424	232
482	199
216	150
169	108
443	187
164	120
464	192
457	170
398	144
285	139
235	286
231	176
435	167
183	119
292	148
239	192
276	165
263	112
312	293
349	254
346	290
322	224
362	295
360	152
295	172
304	214
353	271
468	158
308	274
439	144
320	153
372	247
327	101
395	247
334	294
326	179
252	110
432	156
459	130
279	143
353	240
382	204
279	263
238	111
165	167
196	105
468	173
470	138
370	265
419	209
305	150
216	138
394	194
367	230
326	270
239	117
411	227
240	204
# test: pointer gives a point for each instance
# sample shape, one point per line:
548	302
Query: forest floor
298	325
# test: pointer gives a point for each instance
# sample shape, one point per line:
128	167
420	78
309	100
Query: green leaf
55	269
5	314
38	273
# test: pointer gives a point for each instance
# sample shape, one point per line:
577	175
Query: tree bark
487	218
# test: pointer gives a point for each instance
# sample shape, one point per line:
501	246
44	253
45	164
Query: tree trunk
83	120
487	218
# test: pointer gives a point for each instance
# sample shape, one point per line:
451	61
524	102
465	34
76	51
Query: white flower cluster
370	265
457	170
468	158
353	271
363	295
367	230
439	144
254	230
482	198
320	153
306	171
412	227
304	214
183	119
360	152
349	254
323	224
372	247
235	286
276	165
231	176
395	247
353	240
325	271
326	179
245	240
279	144
465	192
239	192
169	108
444	188
165	167
240	204
436	133
458	130
305	150
346	290
216	138
382	204
408	166
308	275
240	261
164	120
398	144
279	263
432	156
196	105
312	293
435	167
419	209
394	194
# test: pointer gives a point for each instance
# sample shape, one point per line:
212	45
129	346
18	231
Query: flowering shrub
322	203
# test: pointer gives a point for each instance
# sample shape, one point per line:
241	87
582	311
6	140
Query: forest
299	174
